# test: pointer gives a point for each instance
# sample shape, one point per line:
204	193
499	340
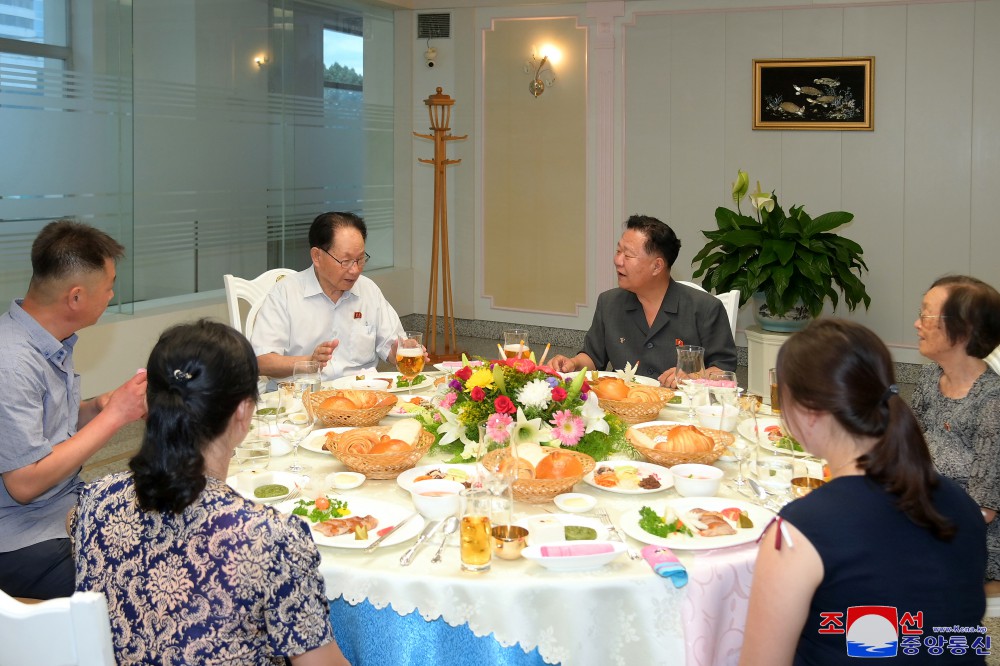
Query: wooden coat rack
439	107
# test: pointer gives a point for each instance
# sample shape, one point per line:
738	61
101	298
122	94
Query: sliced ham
714	522
337	526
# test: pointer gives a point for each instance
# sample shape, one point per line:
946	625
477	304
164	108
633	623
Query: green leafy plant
791	257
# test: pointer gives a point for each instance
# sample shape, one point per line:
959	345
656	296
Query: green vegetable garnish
655	525
270	490
307	509
789	444
676	400
267	411
579	533
402	382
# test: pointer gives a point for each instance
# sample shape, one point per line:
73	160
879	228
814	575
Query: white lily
452	430
593	415
628	372
524	431
762	200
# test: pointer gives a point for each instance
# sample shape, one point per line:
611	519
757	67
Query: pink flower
558	394
448	400
497	427
569	427
504	405
477	394
464	373
524	365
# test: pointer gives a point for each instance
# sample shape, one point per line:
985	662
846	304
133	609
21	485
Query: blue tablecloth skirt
372	637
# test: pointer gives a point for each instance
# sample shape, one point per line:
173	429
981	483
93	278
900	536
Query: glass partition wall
205	136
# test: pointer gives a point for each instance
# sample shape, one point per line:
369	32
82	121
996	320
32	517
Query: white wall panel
985	176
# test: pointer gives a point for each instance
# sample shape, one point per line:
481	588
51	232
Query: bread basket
631	411
377	405
540	491
721	438
379	465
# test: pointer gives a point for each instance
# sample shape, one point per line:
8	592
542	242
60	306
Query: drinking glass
690	371
742	452
296	421
722	385
475	529
410	354
254	452
774	474
515	343
307	379
772	375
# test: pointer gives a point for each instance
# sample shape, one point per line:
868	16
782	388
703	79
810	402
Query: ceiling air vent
433	26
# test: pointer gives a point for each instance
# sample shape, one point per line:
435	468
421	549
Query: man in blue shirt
46	431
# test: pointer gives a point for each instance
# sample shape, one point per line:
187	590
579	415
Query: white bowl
694	480
344	480
575	502
436	499
708	416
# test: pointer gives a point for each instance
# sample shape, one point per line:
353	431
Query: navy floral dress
964	439
227	581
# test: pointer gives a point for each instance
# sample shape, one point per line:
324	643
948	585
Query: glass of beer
515	343
410	354
475	530
775	396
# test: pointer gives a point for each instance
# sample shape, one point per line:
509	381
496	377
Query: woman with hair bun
193	572
957	399
885	531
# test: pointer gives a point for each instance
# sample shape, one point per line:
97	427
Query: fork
615	533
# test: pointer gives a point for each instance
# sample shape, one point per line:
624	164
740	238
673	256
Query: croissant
352	441
686	439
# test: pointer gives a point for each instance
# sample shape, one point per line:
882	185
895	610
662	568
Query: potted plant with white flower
789	263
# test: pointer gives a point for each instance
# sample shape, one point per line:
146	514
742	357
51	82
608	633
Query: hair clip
889	392
181	376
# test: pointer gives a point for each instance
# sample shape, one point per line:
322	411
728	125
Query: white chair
730	299
993	360
72	631
253	292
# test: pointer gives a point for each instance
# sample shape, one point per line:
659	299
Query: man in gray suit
649	315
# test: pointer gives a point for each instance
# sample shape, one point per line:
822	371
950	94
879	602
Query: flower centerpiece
521	402
790	261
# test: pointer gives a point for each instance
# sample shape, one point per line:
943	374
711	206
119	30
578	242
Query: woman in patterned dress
957	400
193	572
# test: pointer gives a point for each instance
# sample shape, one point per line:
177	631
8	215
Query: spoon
765	499
450	525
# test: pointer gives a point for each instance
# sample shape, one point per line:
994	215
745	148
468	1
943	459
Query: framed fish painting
814	94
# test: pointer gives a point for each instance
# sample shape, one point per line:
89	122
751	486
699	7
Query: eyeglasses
923	316
347	264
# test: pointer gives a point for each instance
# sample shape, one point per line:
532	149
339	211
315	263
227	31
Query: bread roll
339	403
639	438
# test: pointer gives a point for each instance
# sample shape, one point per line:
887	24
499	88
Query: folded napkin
576	550
665	563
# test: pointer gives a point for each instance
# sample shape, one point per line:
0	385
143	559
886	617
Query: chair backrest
72	631
253	292
993	360
730	299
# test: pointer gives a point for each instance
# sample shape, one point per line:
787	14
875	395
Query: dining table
518	612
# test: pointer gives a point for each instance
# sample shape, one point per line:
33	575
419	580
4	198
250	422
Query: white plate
645	469
314	441
575	562
405	480
387	514
565	519
452	366
760	516
352	381
246	482
398	412
745	428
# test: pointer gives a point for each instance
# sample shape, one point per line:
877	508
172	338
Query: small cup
803	485
436	499
254	452
696	480
509	541
474	530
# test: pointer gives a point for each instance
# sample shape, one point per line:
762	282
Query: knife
429	531
377	542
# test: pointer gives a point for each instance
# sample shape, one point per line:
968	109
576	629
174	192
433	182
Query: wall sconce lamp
541	75
260	61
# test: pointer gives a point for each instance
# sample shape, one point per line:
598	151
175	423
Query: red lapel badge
357	315
678	342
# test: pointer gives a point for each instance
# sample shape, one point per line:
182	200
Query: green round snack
270	490
579	533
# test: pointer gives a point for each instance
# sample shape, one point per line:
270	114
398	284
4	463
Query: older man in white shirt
329	312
